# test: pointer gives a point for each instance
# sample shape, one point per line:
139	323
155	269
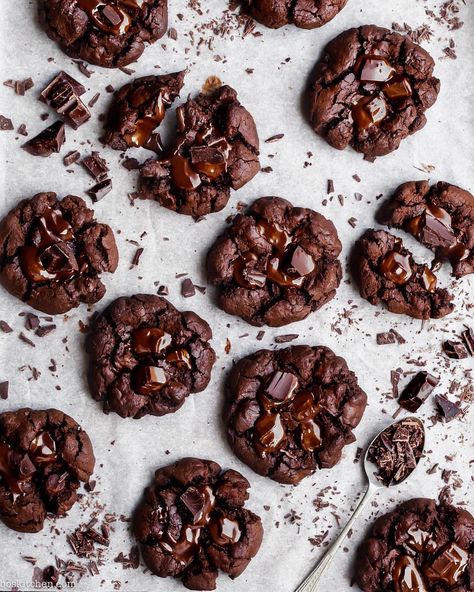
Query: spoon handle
311	582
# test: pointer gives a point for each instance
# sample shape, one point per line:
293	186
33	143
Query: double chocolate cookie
441	217
371	90
306	14
192	522
110	33
146	357
388	273
419	547
215	149
276	263
291	411
52	253
43	457
137	110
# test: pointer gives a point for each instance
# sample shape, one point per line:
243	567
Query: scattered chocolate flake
417	391
127	71
94	100
266	169
468	338
228	346
446	408
71	157
356	178
109	88
397	451
22	130
130	562
84	69
352	222
48	141
100	190
172	33
274	138
286	338
330	188
260	335
136	257
187	288
5	327
455	350
25	339
4	389
386	338
45	330
32	321
131	164
358	454
5	123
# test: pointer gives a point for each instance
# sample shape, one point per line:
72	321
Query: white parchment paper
128	451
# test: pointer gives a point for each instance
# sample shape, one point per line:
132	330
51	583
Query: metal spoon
310	584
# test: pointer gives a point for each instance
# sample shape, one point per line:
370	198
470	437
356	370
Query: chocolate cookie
388	273
146	357
292	411
216	148
306	14
441	217
53	252
192	522
419	547
371	90
111	34
138	108
43	457
276	263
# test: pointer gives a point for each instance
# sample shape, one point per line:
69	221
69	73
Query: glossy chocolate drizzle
199	502
287	265
113	17
434	228
16	468
50	256
398	268
152	341
406	577
208	156
283	410
379	78
153	115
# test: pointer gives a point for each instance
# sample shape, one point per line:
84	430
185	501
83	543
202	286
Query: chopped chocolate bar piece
417	391
447	409
62	94
468	338
48	141
71	157
187	288
95	166
455	350
397	450
5	123
5	327
100	190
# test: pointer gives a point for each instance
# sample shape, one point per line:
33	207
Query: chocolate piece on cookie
306	14
276	263
111	34
215	149
192	523
138	108
43	457
371	90
146	357
419	547
291	411
441	217
387	273
53	252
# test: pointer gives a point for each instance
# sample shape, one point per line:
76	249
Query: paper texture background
128	451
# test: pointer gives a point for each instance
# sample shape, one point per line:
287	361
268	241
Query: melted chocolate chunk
397	267
447	566
417	391
224	531
406	577
420	540
147	380
43	449
147	340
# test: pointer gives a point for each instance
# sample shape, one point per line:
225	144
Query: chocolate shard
62	77
5	123
468	338
4	390
417	391
48	141
96	166
100	190
447	409
455	350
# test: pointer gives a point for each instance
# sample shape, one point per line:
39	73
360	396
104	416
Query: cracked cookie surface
43	457
291	411
276	263
306	14
420	546
192	522
371	89
441	217
387	273
138	108
215	149
52	253
146	357
110	34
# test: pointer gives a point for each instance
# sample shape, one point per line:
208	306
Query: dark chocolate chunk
48	141
95	166
455	349
417	391
447	409
100	190
5	123
187	288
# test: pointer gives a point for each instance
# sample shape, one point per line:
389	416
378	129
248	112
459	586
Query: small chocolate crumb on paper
4	390
187	288
286	338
